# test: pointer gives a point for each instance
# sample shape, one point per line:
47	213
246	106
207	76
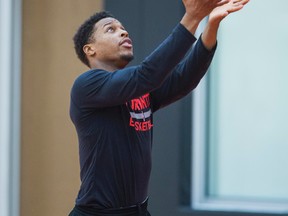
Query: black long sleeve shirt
113	116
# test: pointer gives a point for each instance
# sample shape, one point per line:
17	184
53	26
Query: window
240	139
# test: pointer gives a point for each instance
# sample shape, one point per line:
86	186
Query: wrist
190	23
209	35
213	25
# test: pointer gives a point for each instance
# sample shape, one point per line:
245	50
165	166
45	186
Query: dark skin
111	48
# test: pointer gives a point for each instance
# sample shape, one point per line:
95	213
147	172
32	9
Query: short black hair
84	33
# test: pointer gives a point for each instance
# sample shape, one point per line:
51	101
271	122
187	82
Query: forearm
158	65
209	35
185	77
191	70
190	23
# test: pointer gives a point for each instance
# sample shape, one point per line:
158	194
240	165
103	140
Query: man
112	106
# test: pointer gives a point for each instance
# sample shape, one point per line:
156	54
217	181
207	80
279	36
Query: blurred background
222	150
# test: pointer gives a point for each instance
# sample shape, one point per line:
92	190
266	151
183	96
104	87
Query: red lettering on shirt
140	103
138	106
141	126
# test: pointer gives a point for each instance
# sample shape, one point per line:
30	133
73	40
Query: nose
124	33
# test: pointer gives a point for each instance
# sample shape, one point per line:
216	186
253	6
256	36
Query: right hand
198	9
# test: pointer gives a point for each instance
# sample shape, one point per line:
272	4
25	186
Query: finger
242	2
235	8
222	2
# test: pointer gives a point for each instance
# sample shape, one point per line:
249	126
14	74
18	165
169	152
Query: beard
127	57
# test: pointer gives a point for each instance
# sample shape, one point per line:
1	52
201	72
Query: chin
127	58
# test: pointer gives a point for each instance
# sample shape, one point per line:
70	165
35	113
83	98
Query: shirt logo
140	113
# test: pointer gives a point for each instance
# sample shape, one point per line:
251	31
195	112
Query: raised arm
190	71
209	36
94	89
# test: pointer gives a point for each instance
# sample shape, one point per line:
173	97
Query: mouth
126	42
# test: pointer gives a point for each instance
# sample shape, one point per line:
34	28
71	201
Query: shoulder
87	77
90	74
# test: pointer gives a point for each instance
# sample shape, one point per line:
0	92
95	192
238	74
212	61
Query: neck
111	67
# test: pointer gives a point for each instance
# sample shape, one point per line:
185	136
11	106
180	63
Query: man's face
112	43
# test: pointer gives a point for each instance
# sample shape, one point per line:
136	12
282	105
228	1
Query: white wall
249	104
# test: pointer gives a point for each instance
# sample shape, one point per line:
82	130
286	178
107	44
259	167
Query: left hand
219	13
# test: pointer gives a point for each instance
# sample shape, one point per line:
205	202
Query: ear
89	49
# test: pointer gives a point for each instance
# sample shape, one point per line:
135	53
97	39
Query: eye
110	29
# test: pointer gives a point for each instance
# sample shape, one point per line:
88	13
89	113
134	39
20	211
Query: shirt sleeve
185	77
99	88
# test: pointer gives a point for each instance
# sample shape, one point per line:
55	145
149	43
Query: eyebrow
108	23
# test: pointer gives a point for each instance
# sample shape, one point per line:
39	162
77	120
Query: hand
198	9
209	36
219	13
